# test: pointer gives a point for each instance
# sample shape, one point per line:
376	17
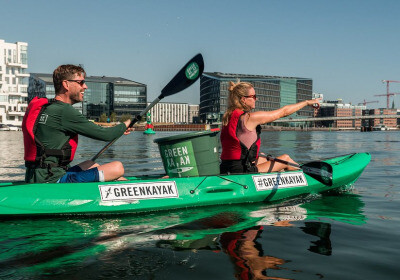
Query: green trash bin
190	154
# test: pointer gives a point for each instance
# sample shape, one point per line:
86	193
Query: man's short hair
65	72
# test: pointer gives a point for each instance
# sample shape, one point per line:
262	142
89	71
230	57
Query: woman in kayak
241	128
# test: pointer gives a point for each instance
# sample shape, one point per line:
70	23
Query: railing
175	127
166	127
318	119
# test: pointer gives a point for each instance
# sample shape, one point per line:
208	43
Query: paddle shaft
319	170
133	121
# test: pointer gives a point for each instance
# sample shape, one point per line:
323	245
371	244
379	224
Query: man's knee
118	167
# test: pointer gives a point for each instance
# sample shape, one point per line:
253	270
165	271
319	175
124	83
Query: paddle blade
189	74
320	171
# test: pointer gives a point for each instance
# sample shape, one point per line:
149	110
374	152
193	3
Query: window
24	54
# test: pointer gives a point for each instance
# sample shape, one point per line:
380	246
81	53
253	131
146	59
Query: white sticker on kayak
279	180
137	191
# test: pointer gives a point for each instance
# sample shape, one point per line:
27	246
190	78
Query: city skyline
346	47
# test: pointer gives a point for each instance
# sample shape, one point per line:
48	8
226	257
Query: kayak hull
150	193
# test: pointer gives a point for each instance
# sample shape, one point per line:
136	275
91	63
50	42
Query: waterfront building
385	122
316	95
164	112
13	82
338	108
398	118
193	113
104	95
273	92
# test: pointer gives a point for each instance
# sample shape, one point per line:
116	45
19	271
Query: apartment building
164	112
13	82
193	114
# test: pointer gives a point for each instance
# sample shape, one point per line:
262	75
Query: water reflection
247	255
53	245
250	259
322	245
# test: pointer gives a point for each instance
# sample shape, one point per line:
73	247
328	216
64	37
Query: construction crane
366	102
388	94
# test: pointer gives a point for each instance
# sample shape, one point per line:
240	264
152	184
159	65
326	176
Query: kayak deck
152	193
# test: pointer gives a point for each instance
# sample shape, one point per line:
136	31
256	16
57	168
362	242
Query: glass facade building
272	92
104	95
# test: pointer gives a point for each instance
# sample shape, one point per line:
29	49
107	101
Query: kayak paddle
189	74
319	170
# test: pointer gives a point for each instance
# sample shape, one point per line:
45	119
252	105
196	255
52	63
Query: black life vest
35	151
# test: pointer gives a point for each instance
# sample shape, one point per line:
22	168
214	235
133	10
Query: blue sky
346	47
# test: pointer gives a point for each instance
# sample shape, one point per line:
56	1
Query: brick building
388	122
339	109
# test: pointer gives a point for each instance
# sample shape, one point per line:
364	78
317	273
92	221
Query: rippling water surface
354	235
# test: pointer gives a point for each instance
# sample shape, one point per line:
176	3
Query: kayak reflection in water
240	135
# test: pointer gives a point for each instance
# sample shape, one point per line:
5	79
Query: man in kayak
51	129
240	135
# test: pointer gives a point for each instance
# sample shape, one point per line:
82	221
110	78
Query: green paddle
319	170
189	74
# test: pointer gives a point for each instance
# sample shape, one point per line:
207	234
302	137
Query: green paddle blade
320	171
189	74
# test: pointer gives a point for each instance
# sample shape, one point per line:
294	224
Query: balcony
22	90
22	74
17	93
16	64
15	113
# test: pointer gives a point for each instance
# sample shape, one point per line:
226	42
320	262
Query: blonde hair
236	92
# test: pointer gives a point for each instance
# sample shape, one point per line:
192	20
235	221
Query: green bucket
190	154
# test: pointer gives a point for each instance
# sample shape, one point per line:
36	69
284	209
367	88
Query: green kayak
153	193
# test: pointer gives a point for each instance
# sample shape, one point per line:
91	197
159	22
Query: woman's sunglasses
251	96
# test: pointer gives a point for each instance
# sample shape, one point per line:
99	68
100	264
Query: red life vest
232	148
35	151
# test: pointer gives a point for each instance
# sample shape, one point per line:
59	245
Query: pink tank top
244	135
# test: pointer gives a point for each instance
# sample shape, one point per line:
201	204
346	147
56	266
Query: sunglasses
80	82
251	96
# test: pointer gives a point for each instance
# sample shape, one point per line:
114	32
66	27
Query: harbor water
351	235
